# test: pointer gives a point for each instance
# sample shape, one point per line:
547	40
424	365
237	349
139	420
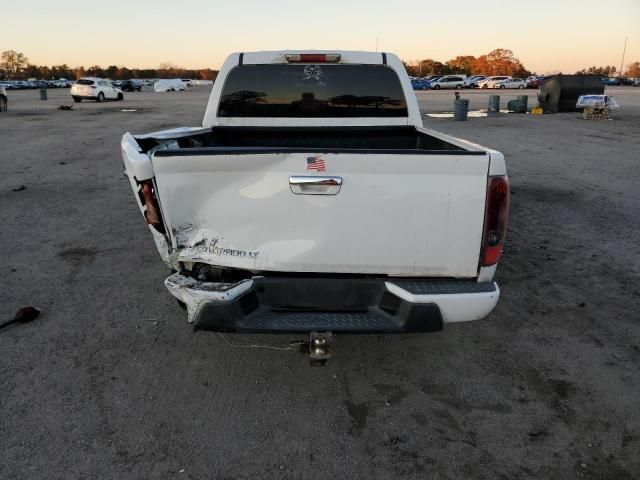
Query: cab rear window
311	90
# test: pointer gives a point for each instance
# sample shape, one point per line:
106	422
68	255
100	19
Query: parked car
534	82
3	99
433	78
219	202
510	83
611	81
489	82
93	88
472	82
636	82
420	84
130	86
449	81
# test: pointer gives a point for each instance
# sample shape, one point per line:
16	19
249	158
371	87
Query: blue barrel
494	105
524	100
460	109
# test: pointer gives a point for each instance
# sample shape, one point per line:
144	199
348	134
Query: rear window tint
312	91
82	81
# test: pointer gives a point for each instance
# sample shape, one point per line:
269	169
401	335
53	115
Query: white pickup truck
3	99
312	199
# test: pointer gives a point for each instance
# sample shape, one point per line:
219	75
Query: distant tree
44	72
207	74
31	71
461	64
431	67
111	71
633	70
168	69
500	61
95	71
412	70
145	73
123	73
13	62
602	71
61	71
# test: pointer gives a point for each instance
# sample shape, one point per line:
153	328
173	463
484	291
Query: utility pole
624	50
377	43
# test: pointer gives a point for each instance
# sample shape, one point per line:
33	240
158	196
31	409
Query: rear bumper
294	304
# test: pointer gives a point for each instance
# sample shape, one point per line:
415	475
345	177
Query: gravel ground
111	382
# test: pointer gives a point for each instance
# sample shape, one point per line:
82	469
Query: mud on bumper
293	304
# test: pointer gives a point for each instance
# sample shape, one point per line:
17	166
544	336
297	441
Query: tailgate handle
315	185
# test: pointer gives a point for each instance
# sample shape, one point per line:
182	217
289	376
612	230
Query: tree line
16	66
632	71
500	61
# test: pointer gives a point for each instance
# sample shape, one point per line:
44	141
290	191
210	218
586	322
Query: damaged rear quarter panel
196	244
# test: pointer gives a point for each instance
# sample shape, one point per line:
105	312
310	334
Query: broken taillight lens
152	212
495	220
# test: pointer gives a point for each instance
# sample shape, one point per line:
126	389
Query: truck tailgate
395	214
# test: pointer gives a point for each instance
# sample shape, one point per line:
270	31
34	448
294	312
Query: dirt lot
112	383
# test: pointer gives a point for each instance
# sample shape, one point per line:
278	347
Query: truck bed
223	140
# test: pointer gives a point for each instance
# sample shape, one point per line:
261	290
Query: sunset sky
547	35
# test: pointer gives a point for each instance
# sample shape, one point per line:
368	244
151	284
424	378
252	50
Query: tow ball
320	348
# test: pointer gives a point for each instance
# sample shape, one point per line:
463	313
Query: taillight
495	220
93	86
313	58
152	213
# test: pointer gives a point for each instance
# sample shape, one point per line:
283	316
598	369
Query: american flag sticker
315	163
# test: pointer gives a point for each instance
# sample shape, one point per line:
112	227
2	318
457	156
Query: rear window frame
390	112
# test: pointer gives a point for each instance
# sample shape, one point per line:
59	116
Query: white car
93	88
3	99
472	82
449	81
311	199
489	82
511	83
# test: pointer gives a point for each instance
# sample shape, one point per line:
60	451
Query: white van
168	85
449	81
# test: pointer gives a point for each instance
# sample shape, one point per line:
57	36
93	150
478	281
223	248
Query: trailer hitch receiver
320	347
